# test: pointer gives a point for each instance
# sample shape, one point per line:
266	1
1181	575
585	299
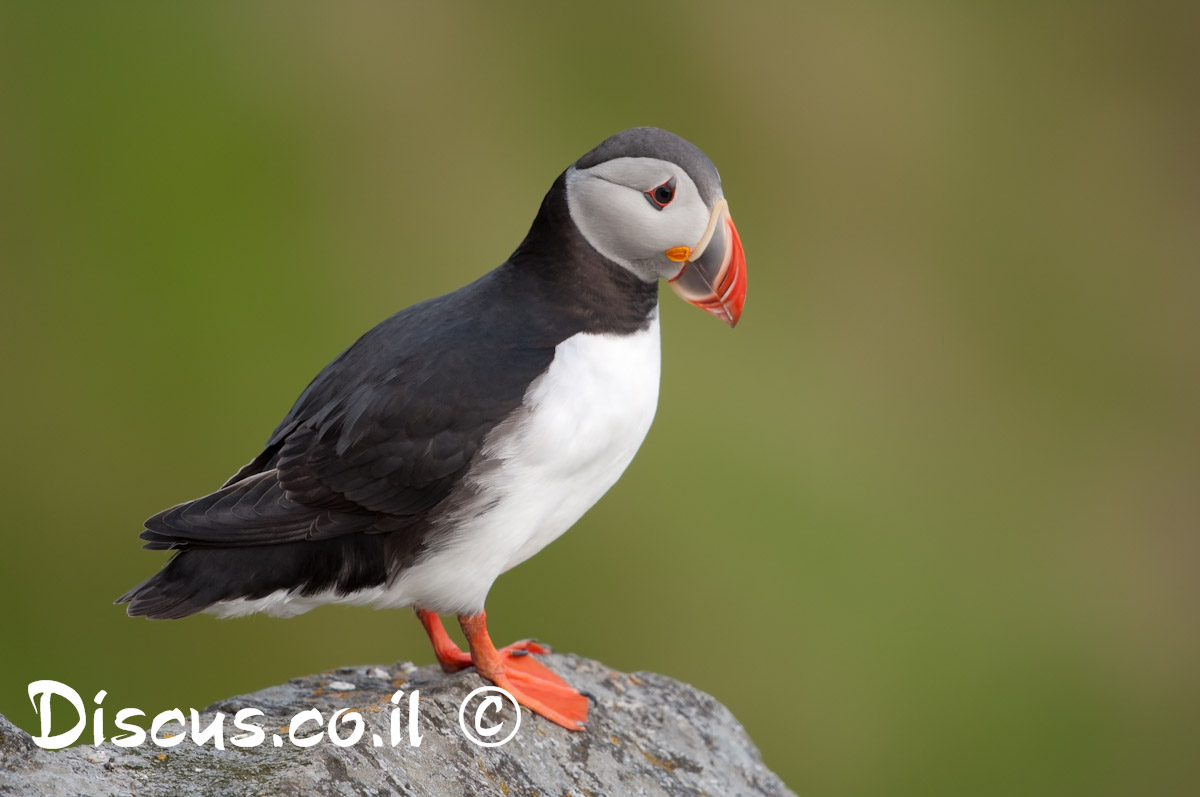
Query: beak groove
714	276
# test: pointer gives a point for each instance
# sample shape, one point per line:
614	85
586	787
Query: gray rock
646	735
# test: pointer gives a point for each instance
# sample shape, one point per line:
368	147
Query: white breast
580	426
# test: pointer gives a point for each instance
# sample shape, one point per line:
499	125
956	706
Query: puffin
461	435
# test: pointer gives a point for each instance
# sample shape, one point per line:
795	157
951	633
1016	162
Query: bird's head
652	203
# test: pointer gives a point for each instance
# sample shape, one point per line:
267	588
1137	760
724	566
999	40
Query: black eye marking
661	196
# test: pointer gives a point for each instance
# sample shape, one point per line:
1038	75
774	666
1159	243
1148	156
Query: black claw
591	698
518	652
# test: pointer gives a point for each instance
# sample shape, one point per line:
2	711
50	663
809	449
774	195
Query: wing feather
380	436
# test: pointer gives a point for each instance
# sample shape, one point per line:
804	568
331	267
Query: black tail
196	579
187	585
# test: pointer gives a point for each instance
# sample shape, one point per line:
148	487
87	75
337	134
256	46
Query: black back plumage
344	493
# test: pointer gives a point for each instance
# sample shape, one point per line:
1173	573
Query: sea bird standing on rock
463	434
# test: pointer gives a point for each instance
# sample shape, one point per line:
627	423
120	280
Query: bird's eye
662	195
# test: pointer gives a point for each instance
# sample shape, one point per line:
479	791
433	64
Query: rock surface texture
647	735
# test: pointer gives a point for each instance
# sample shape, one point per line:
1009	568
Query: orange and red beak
713	276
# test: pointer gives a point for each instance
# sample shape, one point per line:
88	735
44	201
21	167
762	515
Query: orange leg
452	658
531	683
448	654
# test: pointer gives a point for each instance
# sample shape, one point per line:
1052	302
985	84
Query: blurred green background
933	528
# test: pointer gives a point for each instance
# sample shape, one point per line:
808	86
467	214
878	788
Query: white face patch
608	203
